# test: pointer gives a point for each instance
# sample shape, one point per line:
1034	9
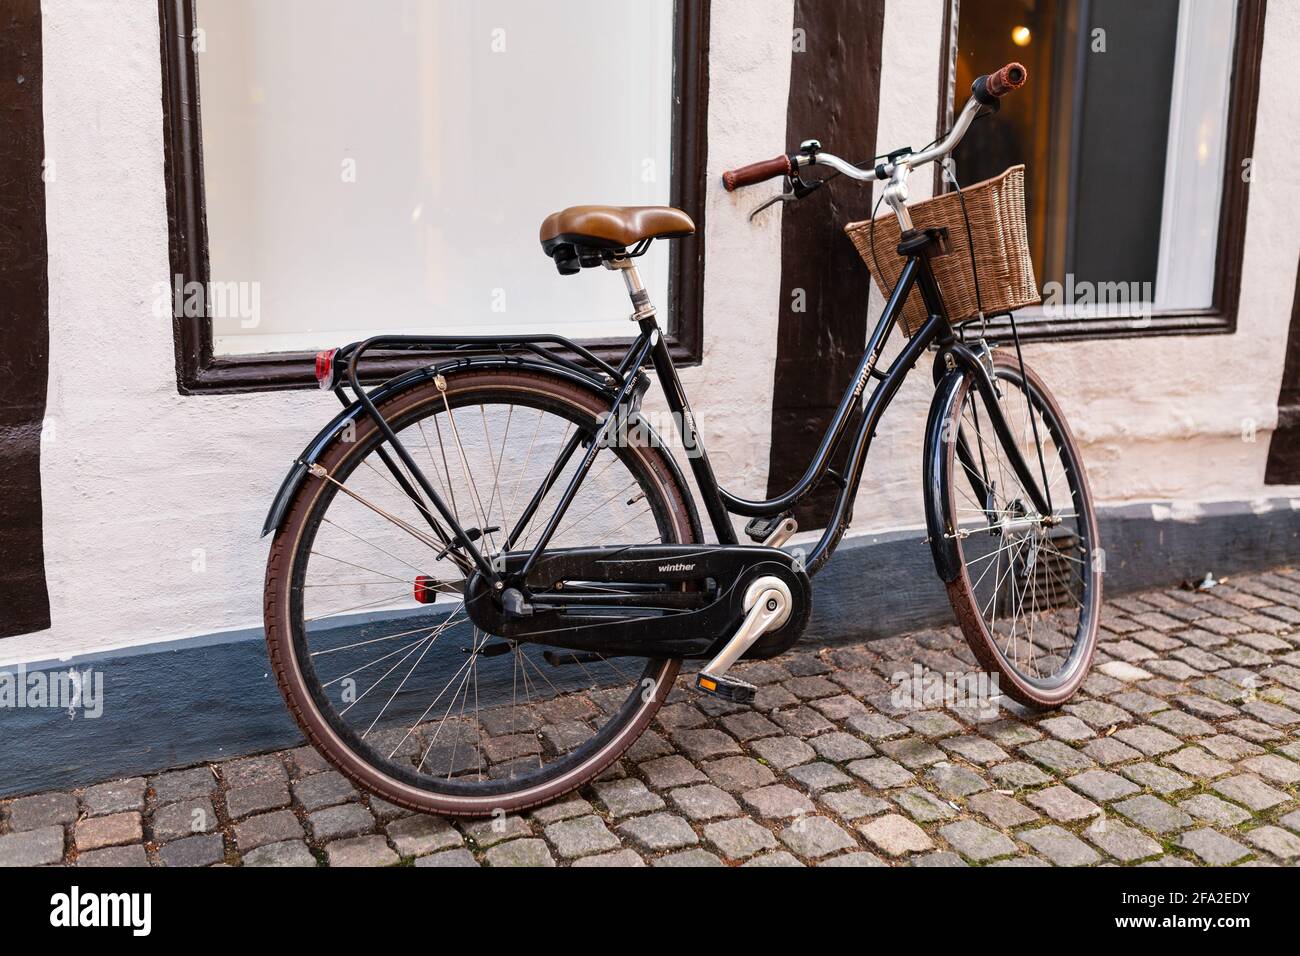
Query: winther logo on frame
75	909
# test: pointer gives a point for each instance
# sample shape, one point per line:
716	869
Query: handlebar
733	179
986	91
999	84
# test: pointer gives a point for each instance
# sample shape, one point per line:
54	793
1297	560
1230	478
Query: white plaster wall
137	479
731	391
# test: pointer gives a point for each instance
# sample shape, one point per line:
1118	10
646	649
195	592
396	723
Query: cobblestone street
1183	749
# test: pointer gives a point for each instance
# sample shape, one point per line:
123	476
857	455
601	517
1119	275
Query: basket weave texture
996	208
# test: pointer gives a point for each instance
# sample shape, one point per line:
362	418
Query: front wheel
1028	589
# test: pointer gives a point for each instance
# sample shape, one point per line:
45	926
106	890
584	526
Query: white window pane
464	124
1198	121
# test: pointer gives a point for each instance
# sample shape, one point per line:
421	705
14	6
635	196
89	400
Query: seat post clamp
641	307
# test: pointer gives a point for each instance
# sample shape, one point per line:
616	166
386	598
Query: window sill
1042	329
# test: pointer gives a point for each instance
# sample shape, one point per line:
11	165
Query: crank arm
767	605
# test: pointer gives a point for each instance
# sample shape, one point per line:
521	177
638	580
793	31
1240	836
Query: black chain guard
717	575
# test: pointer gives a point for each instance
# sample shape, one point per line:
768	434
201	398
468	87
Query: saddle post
642	308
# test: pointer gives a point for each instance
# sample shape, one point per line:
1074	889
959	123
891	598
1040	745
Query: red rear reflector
325	367
425	591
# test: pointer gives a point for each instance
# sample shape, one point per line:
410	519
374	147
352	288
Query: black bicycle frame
937	331
649	345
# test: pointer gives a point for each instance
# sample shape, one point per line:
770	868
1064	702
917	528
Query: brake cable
797	187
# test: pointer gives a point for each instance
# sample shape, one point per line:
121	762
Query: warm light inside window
1021	36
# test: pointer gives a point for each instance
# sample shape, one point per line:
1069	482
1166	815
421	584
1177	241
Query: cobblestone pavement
1182	749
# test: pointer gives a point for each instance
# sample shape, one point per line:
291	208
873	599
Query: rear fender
593	382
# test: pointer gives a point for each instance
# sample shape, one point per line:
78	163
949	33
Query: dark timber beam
834	93
24	321
1284	447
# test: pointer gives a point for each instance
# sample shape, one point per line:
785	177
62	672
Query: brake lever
795	188
784	196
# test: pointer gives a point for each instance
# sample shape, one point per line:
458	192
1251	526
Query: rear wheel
408	698
1028	595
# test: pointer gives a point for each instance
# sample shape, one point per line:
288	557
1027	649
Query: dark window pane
1120	157
1091	126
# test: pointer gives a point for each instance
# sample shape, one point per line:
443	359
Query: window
1135	130
335	173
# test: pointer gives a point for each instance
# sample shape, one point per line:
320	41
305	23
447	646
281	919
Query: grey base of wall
214	698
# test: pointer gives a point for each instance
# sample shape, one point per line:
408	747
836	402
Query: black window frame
199	370
1220	318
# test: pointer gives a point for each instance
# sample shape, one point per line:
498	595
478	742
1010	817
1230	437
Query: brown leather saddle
584	236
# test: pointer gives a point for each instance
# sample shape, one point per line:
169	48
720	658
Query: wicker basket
996	208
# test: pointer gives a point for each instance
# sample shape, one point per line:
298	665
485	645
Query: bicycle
486	573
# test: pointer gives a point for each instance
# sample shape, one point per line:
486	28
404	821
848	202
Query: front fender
938	522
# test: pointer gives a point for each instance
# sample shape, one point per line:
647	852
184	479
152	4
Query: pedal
773	531
731	689
767	607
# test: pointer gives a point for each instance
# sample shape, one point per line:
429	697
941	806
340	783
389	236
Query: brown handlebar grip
733	179
1010	77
